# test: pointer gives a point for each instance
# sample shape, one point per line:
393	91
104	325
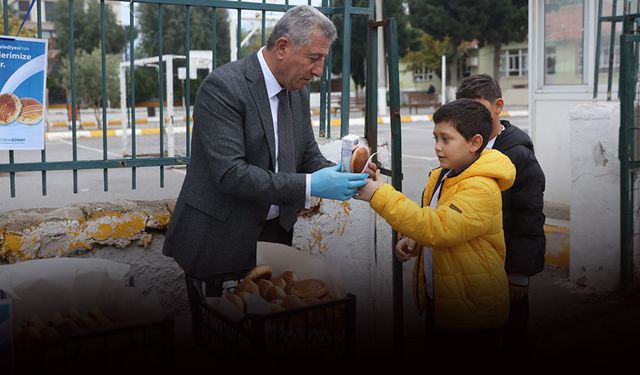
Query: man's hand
406	249
330	183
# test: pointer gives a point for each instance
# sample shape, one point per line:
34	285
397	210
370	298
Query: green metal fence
629	133
135	160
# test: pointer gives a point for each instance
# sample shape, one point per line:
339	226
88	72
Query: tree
174	30
14	25
507	23
407	37
494	22
174	37
89	89
429	54
86	18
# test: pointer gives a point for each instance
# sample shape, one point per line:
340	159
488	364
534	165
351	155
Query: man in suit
254	159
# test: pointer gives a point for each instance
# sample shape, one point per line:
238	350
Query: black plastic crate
145	347
324	331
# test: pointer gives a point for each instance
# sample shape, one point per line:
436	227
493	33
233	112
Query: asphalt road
417	160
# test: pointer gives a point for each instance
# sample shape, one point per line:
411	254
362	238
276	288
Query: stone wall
61	232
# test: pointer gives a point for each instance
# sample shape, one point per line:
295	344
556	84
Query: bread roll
99	317
10	107
236	301
245	297
67	327
35	321
56	318
49	333
308	288
247	285
264	286
31	112
292	302
85	321
279	281
275	293
359	158
73	314
329	296
262	271
289	276
31	333
276	308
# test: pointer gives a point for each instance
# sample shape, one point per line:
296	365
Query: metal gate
629	133
136	160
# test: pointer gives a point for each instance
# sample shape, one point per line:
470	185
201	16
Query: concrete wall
595	195
552	138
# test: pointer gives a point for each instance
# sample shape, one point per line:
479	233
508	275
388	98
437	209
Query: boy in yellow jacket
456	236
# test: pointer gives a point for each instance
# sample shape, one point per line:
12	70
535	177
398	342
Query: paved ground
574	327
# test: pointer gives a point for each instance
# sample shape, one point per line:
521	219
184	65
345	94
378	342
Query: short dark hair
479	86
468	117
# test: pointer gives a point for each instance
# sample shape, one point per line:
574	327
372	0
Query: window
422	74
550	60
564	42
513	62
49	10
23	7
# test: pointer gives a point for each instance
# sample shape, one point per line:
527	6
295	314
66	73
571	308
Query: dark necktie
286	153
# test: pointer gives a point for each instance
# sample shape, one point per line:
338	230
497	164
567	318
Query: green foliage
490	22
429	54
174	30
14	25
86	27
89	79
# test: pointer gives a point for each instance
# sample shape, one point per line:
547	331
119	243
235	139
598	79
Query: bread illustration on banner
10	107
31	111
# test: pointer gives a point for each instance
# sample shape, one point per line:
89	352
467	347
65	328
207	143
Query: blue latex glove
330	183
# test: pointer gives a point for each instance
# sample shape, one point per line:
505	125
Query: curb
54	135
558	250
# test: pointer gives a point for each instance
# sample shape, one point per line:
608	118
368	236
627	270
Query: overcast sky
124	7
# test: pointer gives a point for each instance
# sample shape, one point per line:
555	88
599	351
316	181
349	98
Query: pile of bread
284	292
61	324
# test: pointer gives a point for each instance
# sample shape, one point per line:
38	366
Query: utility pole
382	77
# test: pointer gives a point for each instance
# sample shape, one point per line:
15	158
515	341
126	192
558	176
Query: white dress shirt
273	88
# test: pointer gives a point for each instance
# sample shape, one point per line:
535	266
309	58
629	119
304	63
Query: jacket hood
492	164
513	136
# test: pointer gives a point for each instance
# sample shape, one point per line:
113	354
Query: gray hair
298	23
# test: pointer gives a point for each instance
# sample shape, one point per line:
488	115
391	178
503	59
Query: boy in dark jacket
522	204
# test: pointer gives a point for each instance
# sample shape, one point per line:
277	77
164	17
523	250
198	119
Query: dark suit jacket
230	183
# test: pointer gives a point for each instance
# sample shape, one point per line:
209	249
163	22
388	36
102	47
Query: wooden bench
356	103
422	99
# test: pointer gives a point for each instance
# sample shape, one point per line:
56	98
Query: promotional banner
23	77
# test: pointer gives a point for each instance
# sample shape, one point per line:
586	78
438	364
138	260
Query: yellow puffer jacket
471	290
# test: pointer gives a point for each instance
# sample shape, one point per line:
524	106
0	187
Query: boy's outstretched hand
371	169
366	192
406	249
